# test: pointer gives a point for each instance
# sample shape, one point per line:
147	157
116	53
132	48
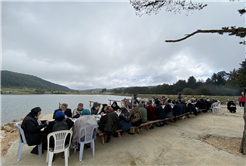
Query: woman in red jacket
242	101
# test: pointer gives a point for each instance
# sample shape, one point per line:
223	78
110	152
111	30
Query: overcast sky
85	45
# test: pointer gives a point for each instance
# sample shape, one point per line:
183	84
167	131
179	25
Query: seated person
136	117
160	114
103	109
60	123
168	110
115	106
67	111
125	119
32	130
85	119
150	111
178	108
191	108
77	112
231	106
199	104
109	123
143	112
95	108
127	105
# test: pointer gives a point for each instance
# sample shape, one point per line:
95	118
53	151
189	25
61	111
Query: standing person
179	96
32	129
242	101
67	111
77	112
134	99
95	108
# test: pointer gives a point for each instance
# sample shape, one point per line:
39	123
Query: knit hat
85	112
59	114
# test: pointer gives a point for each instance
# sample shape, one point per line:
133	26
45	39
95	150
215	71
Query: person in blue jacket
67	111
160	113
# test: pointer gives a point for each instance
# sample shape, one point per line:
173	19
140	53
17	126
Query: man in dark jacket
32	129
67	111
160	114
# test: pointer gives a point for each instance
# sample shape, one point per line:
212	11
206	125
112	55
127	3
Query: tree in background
150	6
103	90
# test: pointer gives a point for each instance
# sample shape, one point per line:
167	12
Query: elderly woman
85	119
109	122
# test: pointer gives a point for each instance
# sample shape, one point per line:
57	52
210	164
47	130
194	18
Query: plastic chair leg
19	150
40	149
50	158
81	151
93	148
66	152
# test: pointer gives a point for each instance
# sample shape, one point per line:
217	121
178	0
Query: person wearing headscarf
95	108
109	123
103	109
115	106
168	110
143	112
85	119
32	129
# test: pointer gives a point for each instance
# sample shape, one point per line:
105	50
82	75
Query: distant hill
13	79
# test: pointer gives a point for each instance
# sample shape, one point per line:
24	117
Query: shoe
131	133
35	151
108	139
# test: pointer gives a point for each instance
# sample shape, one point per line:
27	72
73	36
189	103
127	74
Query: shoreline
177	143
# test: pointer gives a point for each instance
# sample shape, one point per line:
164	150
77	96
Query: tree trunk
243	143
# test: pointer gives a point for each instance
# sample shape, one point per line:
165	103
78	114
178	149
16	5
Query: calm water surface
14	107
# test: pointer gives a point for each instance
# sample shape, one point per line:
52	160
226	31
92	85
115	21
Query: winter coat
242	98
109	123
136	115
32	129
178	109
77	113
68	112
159	112
151	113
144	112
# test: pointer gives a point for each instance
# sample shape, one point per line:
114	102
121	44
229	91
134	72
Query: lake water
14	107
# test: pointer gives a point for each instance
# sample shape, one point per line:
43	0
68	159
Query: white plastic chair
23	142
88	138
59	145
215	106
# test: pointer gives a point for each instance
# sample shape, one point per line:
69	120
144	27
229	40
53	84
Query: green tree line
219	84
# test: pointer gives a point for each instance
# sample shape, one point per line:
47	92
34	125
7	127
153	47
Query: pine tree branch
241	32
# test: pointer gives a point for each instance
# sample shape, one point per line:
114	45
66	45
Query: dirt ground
206	139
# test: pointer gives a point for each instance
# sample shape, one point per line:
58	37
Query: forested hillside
18	80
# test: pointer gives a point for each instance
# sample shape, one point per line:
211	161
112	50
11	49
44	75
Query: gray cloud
91	44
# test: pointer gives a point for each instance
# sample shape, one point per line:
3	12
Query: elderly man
67	111
77	112
32	129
